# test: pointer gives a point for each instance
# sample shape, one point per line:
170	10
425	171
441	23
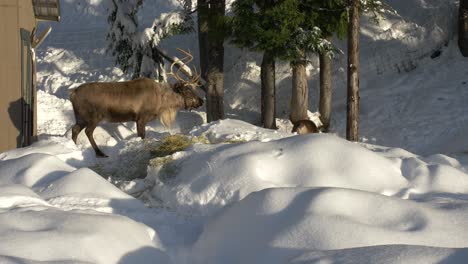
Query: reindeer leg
141	128
76	130
89	133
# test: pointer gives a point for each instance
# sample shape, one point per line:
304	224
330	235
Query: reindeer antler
176	76
193	78
187	53
172	60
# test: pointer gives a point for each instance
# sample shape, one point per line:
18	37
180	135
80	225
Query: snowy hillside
240	193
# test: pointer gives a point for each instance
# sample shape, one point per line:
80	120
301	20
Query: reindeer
141	100
304	127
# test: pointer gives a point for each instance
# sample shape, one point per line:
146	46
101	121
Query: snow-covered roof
47	9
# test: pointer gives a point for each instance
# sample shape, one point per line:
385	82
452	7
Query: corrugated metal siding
47	9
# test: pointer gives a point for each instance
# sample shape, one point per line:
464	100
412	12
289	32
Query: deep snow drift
51	211
276	201
244	194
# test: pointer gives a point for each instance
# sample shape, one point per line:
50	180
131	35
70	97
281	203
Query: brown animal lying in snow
304	127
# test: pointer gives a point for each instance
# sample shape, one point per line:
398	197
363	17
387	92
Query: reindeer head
187	88
191	99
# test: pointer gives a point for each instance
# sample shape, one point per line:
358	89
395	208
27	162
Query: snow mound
235	130
61	148
13	260
206	178
275	225
434	177
388	254
52	212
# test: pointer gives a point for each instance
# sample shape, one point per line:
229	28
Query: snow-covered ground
241	193
276	199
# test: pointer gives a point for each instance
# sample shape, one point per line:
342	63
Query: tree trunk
268	96
463	27
211	40
203	27
353	73
300	92
325	89
215	96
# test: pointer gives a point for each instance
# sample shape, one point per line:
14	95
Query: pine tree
353	72
300	91
356	7
325	97
332	19
281	30
211	33
299	104
123	29
307	39
331	16
135	49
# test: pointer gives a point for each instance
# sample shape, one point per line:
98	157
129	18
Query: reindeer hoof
101	155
